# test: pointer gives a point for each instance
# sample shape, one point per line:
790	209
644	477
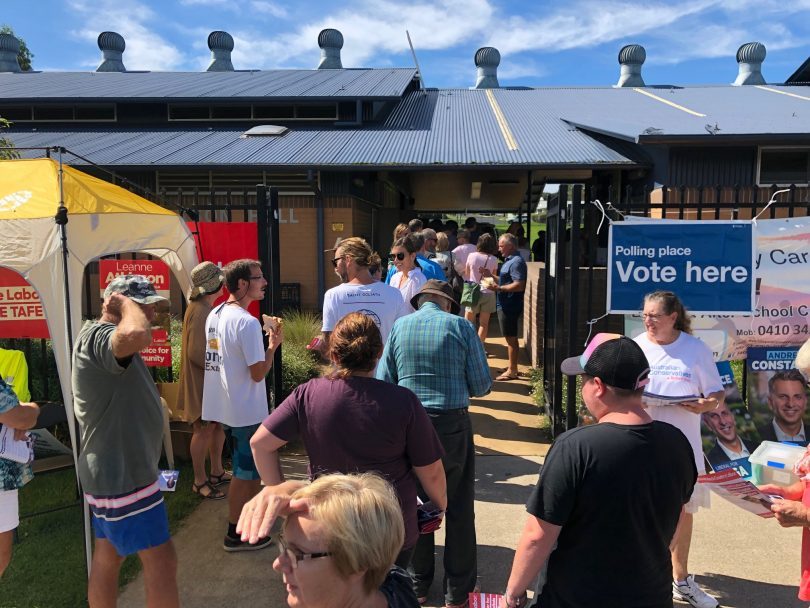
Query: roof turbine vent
750	57
112	47
631	58
221	45
330	41
487	60
9	47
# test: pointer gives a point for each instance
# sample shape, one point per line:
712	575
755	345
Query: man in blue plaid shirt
438	356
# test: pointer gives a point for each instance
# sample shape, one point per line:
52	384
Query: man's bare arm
134	332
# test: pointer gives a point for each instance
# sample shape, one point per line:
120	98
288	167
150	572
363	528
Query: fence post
267	228
572	304
554	310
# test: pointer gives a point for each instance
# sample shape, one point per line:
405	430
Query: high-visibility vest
14	370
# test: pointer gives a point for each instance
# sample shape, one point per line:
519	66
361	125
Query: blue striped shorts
131	522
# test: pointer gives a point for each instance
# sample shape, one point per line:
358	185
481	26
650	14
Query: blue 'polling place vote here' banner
709	265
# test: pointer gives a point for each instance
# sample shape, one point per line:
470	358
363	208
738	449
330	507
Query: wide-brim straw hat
206	278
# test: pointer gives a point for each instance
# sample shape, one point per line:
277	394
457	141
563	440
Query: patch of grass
300	327
47	568
539	398
538	394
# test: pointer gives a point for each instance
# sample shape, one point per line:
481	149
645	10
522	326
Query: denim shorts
238	437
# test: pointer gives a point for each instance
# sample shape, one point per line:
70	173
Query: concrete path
746	561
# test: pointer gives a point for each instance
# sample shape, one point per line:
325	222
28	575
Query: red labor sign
21	312
159	353
223	242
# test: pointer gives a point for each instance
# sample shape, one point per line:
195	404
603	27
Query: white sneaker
691	593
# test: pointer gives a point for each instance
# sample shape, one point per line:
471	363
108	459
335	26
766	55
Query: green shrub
300	327
176	341
297	366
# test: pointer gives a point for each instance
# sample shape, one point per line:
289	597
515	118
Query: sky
542	42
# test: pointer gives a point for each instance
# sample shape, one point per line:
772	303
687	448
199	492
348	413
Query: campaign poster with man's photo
777	395
728	432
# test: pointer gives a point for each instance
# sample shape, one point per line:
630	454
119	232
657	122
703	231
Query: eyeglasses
336	260
396	256
296	556
649	316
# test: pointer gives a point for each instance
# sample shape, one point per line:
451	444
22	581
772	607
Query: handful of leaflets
429	517
15	450
271	324
484	600
735	489
167	480
651	399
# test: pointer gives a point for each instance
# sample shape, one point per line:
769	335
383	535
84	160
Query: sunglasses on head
396	256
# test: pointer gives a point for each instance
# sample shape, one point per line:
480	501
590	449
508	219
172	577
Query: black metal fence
576	255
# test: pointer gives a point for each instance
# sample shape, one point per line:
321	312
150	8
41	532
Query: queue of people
387	427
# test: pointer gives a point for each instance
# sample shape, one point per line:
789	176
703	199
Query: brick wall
534	313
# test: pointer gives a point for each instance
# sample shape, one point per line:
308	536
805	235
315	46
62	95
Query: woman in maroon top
351	422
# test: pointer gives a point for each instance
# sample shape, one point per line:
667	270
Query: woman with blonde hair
339	542
681	365
350	421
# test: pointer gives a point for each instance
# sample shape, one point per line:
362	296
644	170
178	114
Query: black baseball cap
615	359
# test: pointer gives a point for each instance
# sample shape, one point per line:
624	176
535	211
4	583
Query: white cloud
269	8
588	24
225	4
145	49
522	68
370	28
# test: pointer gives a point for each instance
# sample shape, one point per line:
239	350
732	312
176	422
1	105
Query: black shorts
508	323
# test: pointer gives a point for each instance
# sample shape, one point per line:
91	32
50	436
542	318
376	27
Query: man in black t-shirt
609	495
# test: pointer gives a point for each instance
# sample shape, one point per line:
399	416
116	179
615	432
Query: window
16	113
326	111
95	112
189	112
273	111
784	166
53	112
230	112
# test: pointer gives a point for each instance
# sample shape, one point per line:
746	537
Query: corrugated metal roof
388	83
461	127
661	112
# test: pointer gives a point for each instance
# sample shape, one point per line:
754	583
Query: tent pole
61	221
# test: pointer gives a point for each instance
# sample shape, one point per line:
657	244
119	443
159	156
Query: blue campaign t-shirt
430	269
513	270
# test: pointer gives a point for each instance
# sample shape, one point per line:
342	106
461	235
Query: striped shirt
438	356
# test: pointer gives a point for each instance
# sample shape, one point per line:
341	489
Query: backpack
455	280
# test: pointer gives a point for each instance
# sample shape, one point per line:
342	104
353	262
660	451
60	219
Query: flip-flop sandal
506	377
213	493
218	480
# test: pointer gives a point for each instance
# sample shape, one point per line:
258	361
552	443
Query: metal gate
576	255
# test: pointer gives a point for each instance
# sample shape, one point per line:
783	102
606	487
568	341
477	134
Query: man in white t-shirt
359	292
234	393
462	252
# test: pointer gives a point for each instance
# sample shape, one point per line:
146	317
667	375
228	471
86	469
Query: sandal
213	493
218	480
506	376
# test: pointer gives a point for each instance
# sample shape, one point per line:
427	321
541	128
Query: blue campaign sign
708	264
